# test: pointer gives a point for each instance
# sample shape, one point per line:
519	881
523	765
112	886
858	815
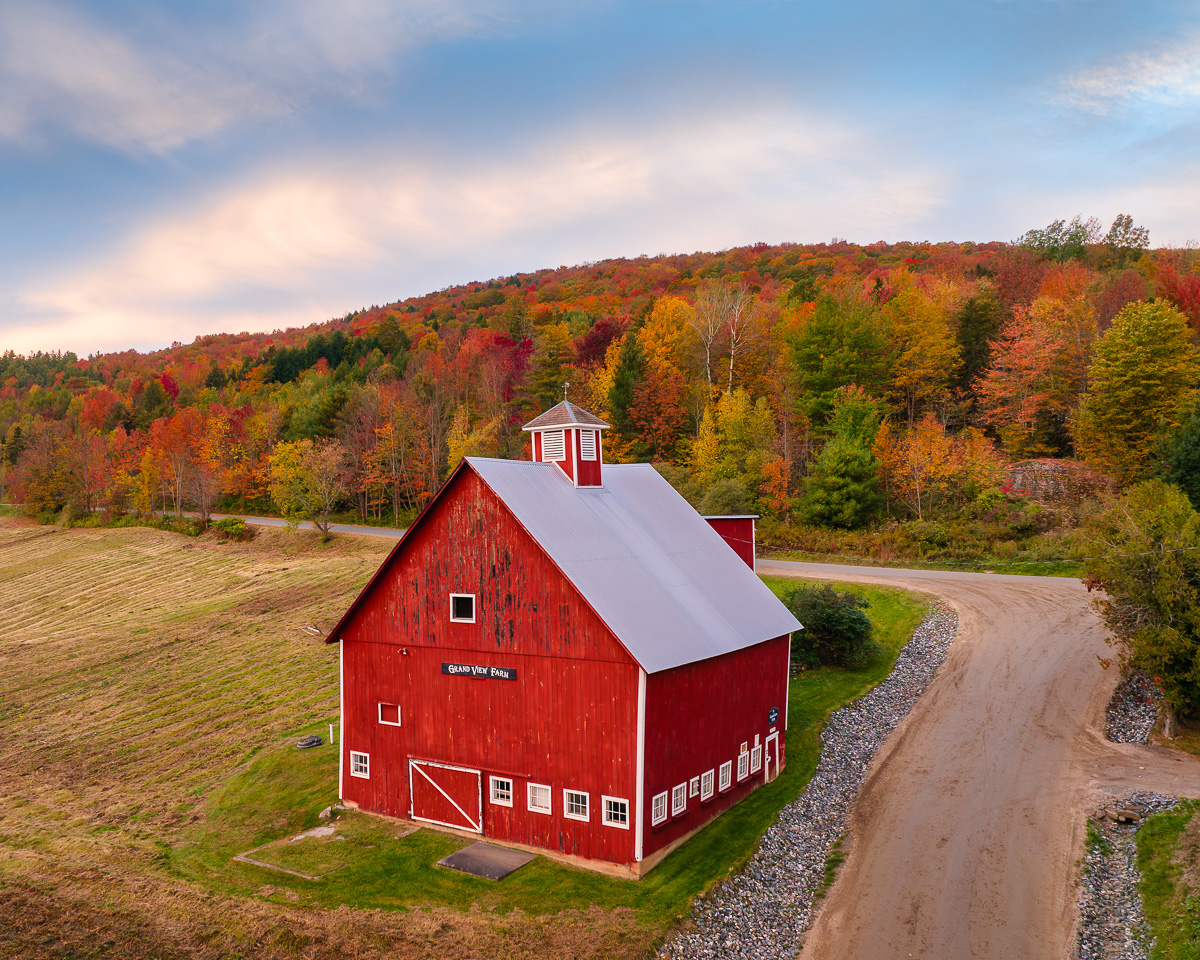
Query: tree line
829	384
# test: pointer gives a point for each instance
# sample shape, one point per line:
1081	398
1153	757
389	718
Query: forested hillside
828	385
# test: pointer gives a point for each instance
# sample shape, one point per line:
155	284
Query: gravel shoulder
763	911
966	835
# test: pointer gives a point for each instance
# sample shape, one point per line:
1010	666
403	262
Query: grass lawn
1168	855
279	792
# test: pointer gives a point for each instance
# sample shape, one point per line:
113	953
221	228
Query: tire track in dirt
965	838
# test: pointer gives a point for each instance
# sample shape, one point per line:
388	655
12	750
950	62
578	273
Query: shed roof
564	414
656	573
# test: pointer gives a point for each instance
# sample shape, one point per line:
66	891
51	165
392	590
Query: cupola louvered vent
587	444
553	447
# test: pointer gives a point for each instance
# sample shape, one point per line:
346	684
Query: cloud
159	85
1167	76
306	244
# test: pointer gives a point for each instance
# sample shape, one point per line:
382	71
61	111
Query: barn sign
480	672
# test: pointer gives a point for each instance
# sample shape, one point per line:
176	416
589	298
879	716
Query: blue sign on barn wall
480	672
773	715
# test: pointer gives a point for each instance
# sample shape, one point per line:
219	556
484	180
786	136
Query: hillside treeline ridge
828	384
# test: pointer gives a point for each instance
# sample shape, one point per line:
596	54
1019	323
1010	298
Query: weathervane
566	387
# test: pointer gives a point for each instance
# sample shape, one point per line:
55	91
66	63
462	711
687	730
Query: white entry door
771	758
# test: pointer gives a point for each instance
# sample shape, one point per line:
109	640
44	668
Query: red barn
561	654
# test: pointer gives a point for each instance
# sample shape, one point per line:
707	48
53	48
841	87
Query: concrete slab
486	860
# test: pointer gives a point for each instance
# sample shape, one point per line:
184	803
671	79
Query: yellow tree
736	440
1144	374
668	337
926	350
307	482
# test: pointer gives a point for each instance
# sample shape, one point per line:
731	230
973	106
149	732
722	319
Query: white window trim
709	776
655	817
492	782
604	801
561	436
694	787
756	759
533	808
679	792
399	715
743	766
587	802
474	609
726	775
366	760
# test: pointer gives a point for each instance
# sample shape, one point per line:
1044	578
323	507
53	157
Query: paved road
390	533
965	838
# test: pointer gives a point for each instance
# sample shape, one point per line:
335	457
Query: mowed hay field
139	670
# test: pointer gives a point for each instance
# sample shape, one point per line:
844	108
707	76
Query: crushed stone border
764	911
1133	709
1112	925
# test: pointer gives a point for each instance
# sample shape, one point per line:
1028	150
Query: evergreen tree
979	321
630	369
843	488
843	342
1179	457
550	365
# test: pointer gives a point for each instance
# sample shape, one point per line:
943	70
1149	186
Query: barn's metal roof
656	573
565	414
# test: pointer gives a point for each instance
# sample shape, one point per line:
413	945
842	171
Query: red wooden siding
738	532
697	717
589	470
569	719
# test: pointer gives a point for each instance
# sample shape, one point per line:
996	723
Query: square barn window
678	799
658	808
462	607
360	765
587	444
502	791
554	447
743	766
537	797
706	785
756	759
575	805
616	812
694	787
389	713
726	774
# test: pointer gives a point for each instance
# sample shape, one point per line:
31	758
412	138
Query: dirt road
966	834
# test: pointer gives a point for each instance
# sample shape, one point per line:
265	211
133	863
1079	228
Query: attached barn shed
562	654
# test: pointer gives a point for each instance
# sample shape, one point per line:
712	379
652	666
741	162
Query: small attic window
462	607
554	447
587	444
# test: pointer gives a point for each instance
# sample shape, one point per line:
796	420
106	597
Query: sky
172	169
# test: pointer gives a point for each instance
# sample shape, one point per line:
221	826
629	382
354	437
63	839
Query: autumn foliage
727	368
